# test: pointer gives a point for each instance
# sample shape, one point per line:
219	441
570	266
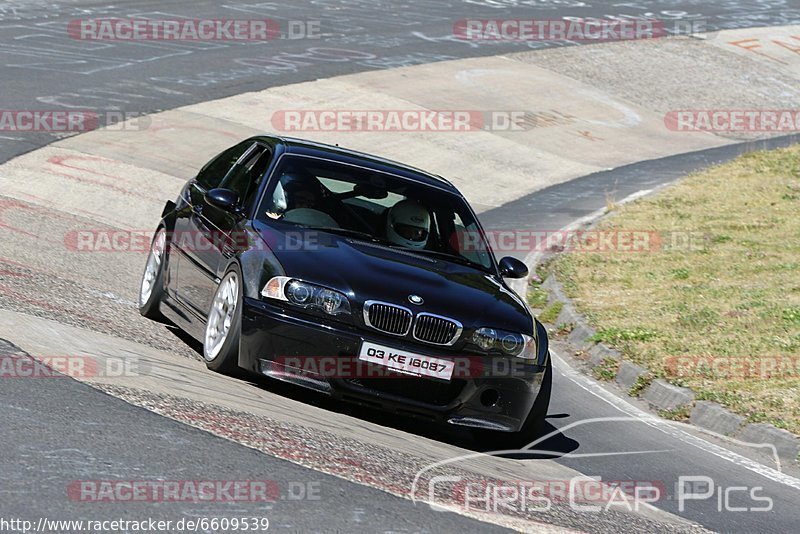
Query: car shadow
554	446
191	342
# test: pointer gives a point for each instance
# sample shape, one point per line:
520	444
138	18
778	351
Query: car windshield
360	202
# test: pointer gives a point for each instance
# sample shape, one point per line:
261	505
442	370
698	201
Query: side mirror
224	199
513	268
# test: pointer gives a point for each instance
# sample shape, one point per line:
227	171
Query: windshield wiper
421	251
355	233
454	258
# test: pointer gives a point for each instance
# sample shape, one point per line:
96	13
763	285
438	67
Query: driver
294	190
408	224
298	198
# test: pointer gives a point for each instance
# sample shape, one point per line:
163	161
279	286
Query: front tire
151	289
224	324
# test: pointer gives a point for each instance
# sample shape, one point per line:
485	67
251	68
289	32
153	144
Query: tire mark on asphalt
60	161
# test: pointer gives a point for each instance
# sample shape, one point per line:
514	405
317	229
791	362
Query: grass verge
711	298
550	314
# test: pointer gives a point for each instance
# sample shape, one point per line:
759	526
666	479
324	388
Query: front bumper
490	393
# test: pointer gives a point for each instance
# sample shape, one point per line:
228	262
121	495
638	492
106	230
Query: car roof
293	145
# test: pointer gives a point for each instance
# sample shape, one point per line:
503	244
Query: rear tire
531	428
151	290
224	324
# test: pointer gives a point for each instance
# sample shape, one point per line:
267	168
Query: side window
245	178
211	175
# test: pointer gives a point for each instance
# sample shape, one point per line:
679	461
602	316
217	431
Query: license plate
406	362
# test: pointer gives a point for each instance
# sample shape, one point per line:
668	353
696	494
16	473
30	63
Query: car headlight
306	295
511	343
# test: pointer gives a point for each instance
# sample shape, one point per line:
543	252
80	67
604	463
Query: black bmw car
355	276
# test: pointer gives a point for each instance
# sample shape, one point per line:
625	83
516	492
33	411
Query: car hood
366	270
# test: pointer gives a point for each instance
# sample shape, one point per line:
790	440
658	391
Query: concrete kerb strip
629	373
667	397
712	416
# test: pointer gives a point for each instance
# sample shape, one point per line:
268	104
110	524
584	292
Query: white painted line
672	428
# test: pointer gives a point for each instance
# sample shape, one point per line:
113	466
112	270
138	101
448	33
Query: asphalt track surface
58	431
42	68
